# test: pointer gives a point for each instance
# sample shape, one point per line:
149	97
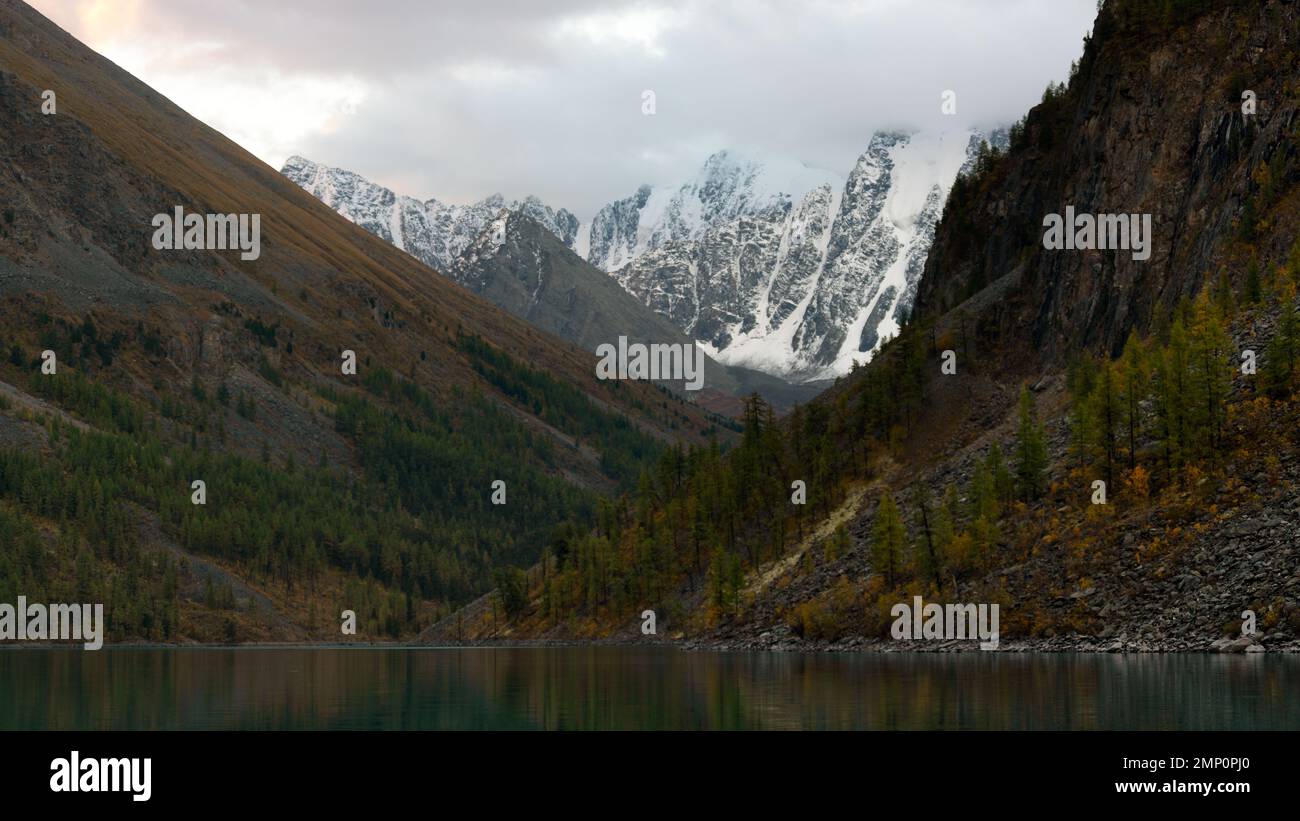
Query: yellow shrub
1139	483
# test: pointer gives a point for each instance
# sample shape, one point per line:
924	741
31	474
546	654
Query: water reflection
637	688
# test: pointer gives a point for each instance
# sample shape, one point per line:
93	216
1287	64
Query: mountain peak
432	231
774	264
781	266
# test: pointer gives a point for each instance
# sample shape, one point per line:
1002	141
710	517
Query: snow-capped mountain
769	264
728	187
432	232
521	266
796	280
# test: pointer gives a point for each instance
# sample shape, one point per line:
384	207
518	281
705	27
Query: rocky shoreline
769	642
1058	644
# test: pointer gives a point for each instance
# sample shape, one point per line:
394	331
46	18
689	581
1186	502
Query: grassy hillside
326	490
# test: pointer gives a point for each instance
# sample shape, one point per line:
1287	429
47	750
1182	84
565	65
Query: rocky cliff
1152	122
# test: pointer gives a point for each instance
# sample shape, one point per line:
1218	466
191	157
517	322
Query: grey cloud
471	98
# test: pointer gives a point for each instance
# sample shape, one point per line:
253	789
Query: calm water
637	688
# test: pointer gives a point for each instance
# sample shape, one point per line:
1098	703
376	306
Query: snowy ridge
797	283
432	232
728	186
768	263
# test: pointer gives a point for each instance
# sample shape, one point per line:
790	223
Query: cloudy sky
458	99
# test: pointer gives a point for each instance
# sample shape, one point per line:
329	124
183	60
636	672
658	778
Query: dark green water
637	688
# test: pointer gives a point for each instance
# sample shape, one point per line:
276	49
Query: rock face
774	266
1152	128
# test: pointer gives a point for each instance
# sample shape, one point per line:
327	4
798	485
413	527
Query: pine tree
1254	289
1079	378
1280	356
1210	376
1031	450
1106	413
945	518
735	583
929	552
838	544
1133	388
985	509
1004	485
1171	396
1224	299
888	539
984	494
718	579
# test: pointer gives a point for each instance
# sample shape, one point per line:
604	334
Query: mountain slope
522	266
325	490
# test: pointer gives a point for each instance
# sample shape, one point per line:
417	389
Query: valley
906	391
1074	369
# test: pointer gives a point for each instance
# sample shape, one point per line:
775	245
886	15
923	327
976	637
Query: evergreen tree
838	544
945	518
888	539
1031	450
1224	299
1106	415
1079	378
1209	377
1004	484
1254	289
718	579
985	509
1171	396
735	583
983	493
1280	356
1133	388
929	552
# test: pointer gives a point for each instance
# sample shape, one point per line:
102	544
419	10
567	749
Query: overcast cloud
458	100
